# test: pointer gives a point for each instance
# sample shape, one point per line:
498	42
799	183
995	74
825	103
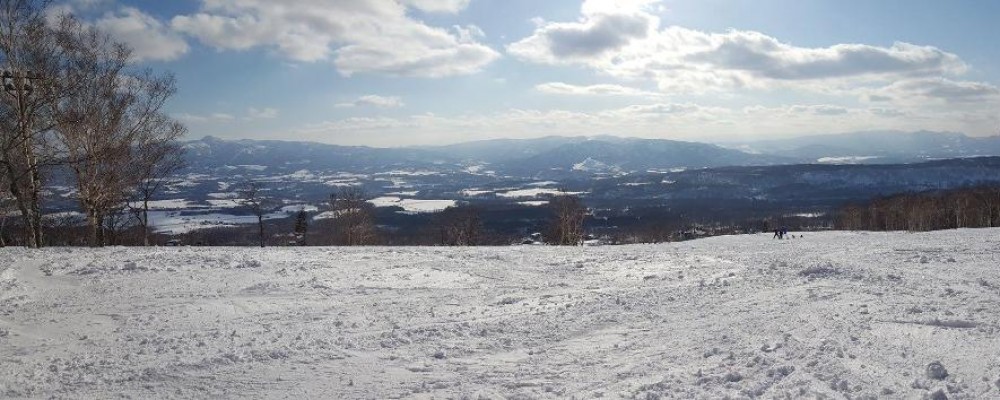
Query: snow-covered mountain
554	157
210	153
592	165
876	147
547	156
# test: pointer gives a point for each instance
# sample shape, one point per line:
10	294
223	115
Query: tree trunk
260	226
95	227
22	206
958	221
144	221
34	217
3	224
36	212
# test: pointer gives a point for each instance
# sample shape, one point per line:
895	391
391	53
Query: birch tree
460	226
112	126
355	217
31	62
568	215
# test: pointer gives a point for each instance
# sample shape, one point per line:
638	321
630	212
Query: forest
977	207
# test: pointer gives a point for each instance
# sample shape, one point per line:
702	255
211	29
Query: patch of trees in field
960	208
74	100
351	220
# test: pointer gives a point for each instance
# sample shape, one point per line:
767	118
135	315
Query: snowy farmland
830	315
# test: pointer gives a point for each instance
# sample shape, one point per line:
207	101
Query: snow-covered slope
829	315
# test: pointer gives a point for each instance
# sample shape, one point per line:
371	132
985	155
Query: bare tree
957	208
159	159
460	226
97	150
355	217
301	227
31	59
990	199
110	119
6	205
255	201
568	215
117	220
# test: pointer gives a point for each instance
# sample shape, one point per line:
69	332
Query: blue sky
403	72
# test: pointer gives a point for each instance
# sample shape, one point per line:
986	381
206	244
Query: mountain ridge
558	155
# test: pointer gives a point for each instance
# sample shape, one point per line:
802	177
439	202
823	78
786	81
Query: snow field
830	315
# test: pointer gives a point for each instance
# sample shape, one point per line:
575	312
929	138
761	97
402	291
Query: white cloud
469	33
593	90
374	101
664	111
604	30
150	39
89	3
886	112
359	36
206	118
820	110
438	6
591	7
628	43
252	114
263	113
939	90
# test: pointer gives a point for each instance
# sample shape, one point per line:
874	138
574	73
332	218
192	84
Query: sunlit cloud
374	101
363	36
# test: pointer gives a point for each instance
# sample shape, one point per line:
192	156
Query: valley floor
828	315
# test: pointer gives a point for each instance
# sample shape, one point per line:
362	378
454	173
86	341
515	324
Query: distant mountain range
626	182
211	152
599	154
562	156
549	156
881	147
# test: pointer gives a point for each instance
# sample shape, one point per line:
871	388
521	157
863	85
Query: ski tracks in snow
834	314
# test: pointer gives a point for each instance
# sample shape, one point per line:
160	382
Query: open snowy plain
831	315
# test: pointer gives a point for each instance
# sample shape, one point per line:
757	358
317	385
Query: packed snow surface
828	315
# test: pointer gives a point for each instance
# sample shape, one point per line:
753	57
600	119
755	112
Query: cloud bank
359	36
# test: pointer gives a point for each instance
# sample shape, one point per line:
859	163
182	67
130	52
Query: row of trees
73	100
353	215
961	208
351	220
